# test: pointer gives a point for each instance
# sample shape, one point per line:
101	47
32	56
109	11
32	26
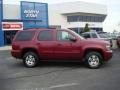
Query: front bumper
108	55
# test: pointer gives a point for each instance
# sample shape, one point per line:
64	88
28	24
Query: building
74	15
71	15
25	15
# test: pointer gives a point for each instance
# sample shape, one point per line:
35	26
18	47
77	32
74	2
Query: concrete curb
5	48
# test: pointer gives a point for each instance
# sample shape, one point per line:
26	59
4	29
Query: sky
112	22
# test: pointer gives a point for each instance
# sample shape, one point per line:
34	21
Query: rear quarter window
25	36
45	36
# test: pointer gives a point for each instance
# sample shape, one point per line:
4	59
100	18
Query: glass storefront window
84	18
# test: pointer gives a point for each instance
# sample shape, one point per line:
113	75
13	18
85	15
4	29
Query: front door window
64	36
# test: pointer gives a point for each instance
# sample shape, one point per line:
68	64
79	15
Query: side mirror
73	39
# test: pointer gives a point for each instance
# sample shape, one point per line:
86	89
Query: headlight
108	47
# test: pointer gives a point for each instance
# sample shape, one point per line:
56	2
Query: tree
86	29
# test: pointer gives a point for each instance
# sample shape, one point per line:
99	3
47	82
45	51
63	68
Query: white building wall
82	25
58	13
78	6
55	18
11	11
69	7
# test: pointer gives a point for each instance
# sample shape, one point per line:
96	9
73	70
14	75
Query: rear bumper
16	54
108	55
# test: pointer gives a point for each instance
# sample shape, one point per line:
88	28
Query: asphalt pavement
58	75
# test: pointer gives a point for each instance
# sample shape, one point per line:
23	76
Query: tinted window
85	18
72	18
25	36
45	36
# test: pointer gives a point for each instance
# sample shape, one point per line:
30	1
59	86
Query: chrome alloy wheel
94	61
30	60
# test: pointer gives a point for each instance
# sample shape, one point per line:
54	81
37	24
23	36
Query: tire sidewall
34	55
98	55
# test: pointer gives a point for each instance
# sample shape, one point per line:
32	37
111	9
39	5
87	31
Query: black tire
30	57
98	61
111	43
118	45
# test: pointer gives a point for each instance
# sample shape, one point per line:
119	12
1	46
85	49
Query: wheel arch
25	50
93	50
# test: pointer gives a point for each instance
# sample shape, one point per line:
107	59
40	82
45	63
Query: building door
8	36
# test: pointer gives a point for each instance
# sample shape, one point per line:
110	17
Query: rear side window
25	36
45	36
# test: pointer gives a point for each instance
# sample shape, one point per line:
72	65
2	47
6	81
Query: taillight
15	47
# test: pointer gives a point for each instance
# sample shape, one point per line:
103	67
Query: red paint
60	50
6	26
12	26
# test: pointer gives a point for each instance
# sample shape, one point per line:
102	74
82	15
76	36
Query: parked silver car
95	35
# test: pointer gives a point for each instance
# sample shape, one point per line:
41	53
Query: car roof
37	29
42	29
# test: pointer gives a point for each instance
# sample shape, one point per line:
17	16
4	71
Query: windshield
103	35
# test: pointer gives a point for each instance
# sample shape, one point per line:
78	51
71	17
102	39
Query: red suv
38	45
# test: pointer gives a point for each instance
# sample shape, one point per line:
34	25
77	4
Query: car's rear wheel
93	60
30	59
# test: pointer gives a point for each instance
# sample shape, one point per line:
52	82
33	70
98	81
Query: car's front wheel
30	59
93	60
